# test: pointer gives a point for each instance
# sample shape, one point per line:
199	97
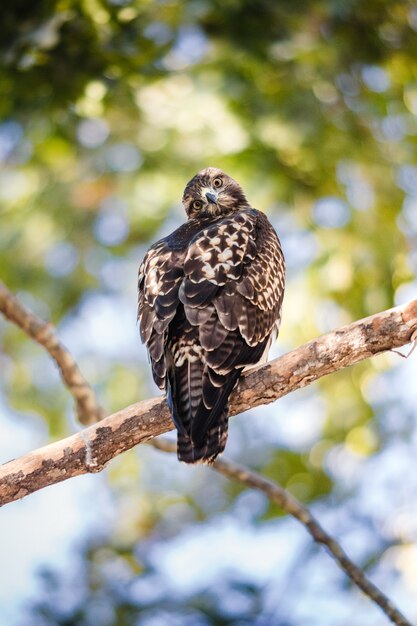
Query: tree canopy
107	109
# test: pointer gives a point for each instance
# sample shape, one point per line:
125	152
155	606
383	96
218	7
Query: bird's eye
217	182
197	204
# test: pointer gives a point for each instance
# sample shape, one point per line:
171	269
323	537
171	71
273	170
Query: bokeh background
107	109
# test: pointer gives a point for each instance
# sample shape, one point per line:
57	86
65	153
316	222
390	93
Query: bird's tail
209	447
206	436
198	399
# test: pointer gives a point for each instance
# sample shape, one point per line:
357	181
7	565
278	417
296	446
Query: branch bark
91	449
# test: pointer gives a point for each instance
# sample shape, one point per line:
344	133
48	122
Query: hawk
210	297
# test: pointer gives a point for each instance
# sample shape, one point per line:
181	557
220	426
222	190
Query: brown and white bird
210	297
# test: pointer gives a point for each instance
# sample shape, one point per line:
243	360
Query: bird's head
212	192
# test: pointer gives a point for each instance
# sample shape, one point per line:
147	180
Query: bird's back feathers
210	298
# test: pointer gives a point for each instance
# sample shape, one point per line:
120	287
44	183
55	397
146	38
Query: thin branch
94	447
291	505
88	410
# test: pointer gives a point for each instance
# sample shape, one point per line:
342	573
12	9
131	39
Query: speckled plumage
210	297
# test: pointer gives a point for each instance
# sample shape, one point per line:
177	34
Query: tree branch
91	449
94	447
88	410
291	505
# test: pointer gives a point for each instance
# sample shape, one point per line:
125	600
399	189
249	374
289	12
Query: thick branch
291	505
88	410
90	450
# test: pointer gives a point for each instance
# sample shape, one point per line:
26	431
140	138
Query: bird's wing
234	279
232	291
159	279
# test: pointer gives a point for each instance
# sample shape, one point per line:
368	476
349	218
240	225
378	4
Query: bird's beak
211	197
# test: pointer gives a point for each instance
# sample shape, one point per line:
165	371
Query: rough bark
91	449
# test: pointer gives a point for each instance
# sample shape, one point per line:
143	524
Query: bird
209	306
